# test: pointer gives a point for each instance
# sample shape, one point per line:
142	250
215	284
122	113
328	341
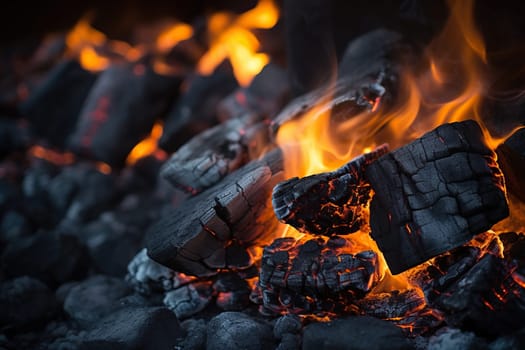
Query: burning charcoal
511	158
488	299
235	330
25	302
392	305
53	108
189	299
135	328
264	97
328	203
435	194
315	276
94	298
233	292
213	154
196	109
357	332
195	238
120	111
452	338
49	256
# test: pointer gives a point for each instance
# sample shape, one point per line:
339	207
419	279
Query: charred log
435	194
210	156
213	230
121	110
328	203
489	298
511	158
315	276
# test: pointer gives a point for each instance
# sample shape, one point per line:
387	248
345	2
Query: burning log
196	109
315	276
435	194
121	110
53	108
210	156
489	298
511	158
213	230
329	203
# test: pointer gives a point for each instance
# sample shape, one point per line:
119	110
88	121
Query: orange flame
450	90
86	42
148	146
173	35
231	38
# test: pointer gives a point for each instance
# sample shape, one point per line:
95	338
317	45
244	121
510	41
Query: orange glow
172	36
449	90
230	37
148	146
55	157
104	168
83	35
90	60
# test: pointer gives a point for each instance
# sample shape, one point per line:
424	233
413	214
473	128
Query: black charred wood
213	154
328	203
445	270
511	158
435	194
315	276
208	231
488	299
121	110
196	109
54	107
264	97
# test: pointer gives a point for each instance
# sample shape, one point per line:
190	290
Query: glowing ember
148	146
52	156
231	38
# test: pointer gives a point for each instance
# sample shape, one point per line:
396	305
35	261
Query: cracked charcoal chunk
314	276
212	230
328	203
213	154
435	194
489	299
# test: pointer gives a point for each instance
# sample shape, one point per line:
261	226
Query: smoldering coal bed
211	185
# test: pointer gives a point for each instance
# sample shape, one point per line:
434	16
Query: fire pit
266	175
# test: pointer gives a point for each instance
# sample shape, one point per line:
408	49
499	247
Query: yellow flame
173	35
450	90
230	37
147	147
